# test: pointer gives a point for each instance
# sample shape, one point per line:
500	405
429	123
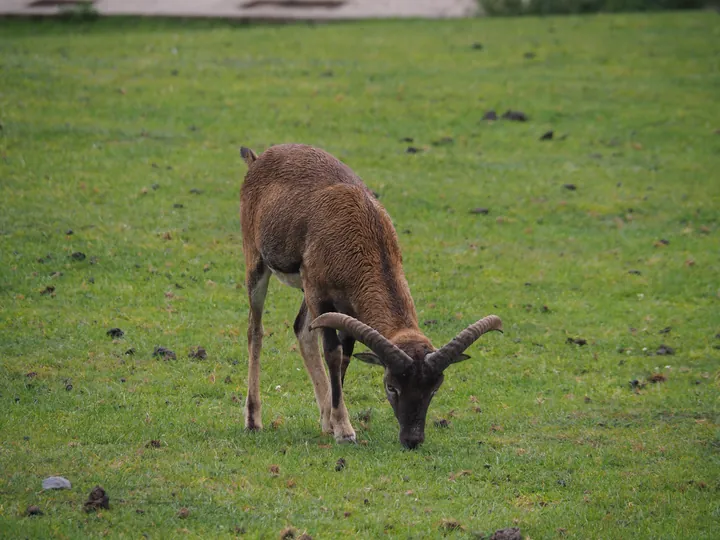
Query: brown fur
301	208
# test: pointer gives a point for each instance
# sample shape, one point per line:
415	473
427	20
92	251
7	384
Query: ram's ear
369	358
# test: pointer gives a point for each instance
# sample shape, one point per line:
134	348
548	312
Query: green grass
93	116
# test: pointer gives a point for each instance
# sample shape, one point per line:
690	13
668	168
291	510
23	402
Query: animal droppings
665	330
480	210
78	256
511	533
577	341
69	232
196	191
443	141
197	352
184	513
570	187
340	464
442	423
288	533
56	482
407	139
412	150
515	116
153	444
529	55
664	350
477	46
451	525
490	115
634	272
547	136
97	499
50	289
115	333
33	511
165	354
657	378
130	351
430	322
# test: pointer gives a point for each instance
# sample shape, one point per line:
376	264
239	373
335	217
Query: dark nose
412	441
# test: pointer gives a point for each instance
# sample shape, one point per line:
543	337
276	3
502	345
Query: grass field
127	133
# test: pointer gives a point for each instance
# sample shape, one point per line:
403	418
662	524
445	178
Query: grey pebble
56	482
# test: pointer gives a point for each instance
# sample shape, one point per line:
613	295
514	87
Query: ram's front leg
342	429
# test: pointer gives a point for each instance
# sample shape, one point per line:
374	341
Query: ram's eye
391	389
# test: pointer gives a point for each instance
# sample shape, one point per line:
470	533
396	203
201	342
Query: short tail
248	155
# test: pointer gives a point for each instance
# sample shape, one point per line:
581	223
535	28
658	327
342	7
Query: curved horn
389	353
452	352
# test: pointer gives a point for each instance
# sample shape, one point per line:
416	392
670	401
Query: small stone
56	482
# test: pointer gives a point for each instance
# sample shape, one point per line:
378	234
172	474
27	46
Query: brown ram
308	219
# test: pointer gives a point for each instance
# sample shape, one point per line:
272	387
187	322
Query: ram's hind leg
256	280
310	351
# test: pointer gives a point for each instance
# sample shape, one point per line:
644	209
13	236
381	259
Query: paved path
257	9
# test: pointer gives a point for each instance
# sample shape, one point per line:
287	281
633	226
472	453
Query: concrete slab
256	9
